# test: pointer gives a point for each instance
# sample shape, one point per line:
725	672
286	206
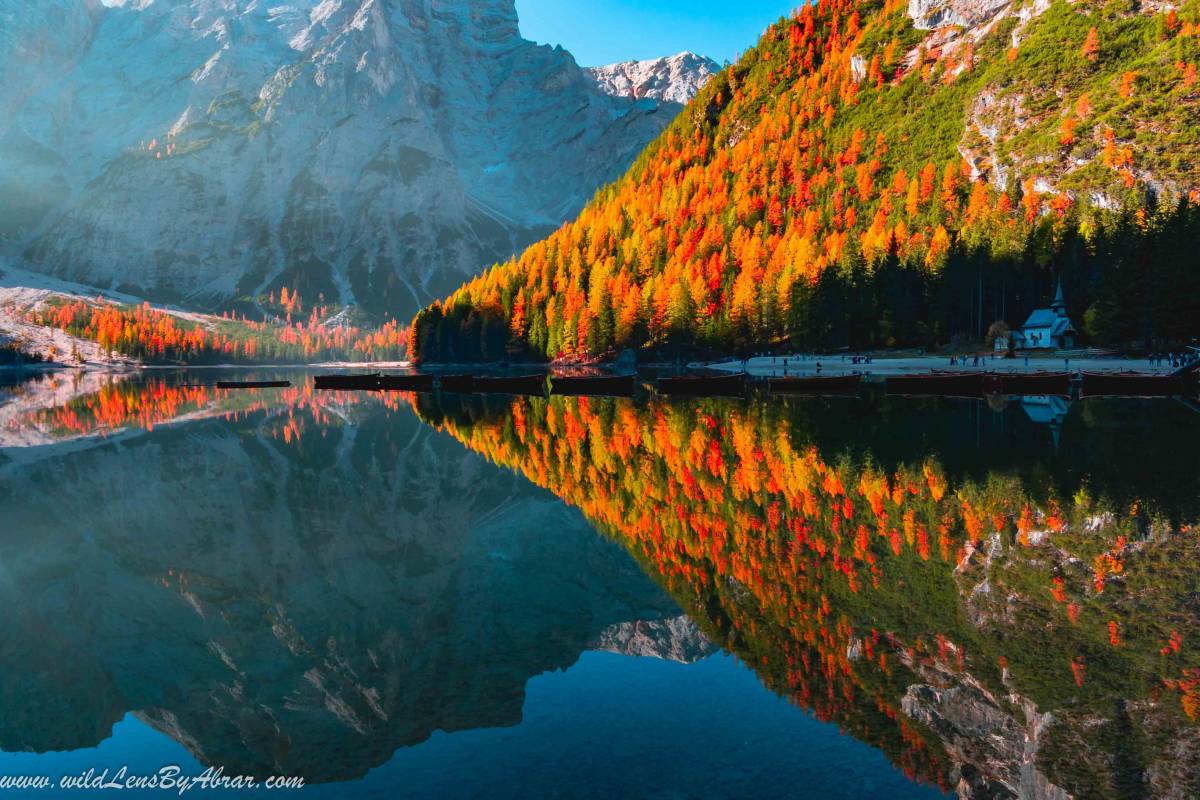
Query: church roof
1044	410
1042	318
1046	321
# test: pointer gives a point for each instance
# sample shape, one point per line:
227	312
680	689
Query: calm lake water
458	596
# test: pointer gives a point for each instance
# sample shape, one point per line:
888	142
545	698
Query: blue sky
604	31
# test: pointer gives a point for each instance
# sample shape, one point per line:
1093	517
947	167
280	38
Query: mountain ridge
373	151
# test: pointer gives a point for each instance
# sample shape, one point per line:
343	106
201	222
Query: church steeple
1059	306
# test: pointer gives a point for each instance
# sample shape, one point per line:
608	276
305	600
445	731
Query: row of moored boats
947	384
598	385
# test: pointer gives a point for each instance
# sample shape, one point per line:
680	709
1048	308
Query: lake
397	595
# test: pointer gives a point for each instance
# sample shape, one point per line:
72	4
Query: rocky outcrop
674	639
996	754
674	80
930	14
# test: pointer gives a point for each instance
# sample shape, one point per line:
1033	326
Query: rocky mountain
883	174
371	151
675	79
322	583
38	43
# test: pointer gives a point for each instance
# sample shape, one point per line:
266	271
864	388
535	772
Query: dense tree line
157	336
816	194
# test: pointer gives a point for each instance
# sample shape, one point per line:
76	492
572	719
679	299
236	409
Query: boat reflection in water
303	582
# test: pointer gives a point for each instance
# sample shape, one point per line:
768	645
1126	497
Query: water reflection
302	588
1003	601
1001	607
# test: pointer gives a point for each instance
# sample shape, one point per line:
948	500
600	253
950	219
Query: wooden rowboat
1131	384
348	383
593	386
253	384
1189	378
1029	384
704	385
406	383
942	384
521	384
815	384
464	384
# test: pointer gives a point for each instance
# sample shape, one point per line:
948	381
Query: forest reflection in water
999	599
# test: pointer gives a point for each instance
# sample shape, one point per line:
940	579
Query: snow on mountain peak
674	79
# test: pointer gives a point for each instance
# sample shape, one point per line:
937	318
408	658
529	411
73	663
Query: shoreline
760	366
126	368
835	365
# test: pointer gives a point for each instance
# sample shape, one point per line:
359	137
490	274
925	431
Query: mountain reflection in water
1002	603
